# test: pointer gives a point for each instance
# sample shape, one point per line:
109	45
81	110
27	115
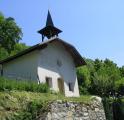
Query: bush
107	103
34	110
22	85
120	86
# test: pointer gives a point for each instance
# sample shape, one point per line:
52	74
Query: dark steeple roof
49	21
49	30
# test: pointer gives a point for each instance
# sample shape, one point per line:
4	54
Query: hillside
15	105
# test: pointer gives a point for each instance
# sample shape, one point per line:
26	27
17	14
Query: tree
3	53
104	78
120	87
10	33
83	75
112	70
98	77
102	85
98	64
18	48
122	71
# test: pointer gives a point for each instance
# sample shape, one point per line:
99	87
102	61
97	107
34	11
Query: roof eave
78	60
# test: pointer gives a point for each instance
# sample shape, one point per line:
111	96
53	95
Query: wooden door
49	81
61	85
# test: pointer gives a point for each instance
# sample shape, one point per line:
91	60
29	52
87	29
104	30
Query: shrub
22	85
120	86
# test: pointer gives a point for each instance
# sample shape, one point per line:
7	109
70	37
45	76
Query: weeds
22	85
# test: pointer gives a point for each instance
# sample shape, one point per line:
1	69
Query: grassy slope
15	102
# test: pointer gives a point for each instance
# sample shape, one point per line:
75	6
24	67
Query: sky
94	27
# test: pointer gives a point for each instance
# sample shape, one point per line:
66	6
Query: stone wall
61	110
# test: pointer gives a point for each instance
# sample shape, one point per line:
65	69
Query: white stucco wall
24	67
47	67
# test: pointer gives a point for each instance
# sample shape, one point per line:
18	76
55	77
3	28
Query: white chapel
53	61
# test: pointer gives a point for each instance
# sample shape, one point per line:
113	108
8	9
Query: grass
22	85
16	104
32	96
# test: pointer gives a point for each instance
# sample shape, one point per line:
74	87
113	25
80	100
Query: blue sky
94	27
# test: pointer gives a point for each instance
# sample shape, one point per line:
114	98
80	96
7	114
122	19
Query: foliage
122	71
33	110
107	104
102	85
8	85
98	77
18	48
118	109
84	79
10	33
119	85
3	53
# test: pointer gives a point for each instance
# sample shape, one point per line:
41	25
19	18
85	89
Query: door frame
61	87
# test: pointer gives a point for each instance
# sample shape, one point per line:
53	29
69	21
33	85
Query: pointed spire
49	21
49	31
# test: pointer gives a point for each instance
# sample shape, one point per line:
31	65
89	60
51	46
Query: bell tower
49	30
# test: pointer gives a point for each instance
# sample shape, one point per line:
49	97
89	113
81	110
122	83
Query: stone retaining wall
60	110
